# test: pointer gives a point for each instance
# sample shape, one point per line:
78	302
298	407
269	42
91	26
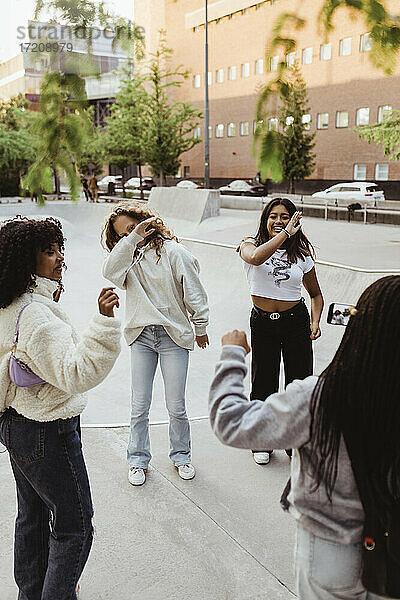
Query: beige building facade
344	88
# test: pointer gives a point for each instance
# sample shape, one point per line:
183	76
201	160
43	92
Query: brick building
344	88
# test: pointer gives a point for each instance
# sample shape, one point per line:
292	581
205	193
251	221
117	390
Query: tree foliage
62	127
17	143
384	30
170	124
298	158
385	134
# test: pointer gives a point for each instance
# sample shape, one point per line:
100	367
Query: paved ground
221	536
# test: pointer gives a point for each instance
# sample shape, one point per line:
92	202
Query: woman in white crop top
277	262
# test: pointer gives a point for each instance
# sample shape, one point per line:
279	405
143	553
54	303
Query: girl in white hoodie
39	423
164	296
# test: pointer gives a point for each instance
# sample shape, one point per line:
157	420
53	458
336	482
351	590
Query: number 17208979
46	47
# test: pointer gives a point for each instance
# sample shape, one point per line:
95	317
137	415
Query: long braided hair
360	392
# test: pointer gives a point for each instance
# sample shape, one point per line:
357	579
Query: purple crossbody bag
19	372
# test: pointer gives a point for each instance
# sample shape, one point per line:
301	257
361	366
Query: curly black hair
20	239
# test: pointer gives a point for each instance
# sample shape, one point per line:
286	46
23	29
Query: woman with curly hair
162	284
277	262
43	378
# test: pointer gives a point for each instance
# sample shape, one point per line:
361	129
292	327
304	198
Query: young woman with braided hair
351	410
277	262
164	298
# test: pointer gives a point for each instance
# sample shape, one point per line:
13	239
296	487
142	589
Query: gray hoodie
283	421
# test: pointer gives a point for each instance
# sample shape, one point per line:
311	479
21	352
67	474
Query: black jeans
289	336
53	529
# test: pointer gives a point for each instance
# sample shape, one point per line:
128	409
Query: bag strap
15	340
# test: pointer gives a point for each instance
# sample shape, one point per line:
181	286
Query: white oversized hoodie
51	347
159	290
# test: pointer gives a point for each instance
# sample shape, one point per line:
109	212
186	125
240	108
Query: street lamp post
206	111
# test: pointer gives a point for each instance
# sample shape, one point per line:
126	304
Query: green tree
127	133
385	134
170	124
298	158
384	30
62	127
17	144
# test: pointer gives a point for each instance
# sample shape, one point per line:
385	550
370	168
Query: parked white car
103	183
357	191
240	187
134	183
187	184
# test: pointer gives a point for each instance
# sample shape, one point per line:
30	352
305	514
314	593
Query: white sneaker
261	458
136	476
186	471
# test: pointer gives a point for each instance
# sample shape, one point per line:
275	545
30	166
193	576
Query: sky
16	13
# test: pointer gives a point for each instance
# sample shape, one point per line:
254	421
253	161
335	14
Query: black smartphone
339	314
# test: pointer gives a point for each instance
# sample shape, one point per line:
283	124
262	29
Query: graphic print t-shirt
278	278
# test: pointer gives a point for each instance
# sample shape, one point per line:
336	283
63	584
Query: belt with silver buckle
274	316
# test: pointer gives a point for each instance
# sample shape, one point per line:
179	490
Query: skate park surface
222	535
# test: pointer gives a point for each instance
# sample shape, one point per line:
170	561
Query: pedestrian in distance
43	377
344	426
277	261
94	188
85	186
164	298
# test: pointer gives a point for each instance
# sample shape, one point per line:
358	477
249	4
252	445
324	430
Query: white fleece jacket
50	346
159	290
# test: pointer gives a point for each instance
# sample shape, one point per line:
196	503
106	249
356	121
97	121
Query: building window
345	47
342	119
382	172
196	133
383	112
257	124
306	120
232	73
186	172
274	63
325	52
362	116
291	59
244	128
196	81
219	130
273	124
307	56
209	131
365	42
360	172
209	78
289	121
259	66
219	76
231	130
322	120
245	69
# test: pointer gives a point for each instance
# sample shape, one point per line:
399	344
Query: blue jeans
327	570
154	343
53	528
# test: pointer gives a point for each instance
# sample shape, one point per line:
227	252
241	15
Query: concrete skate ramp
184	208
223	277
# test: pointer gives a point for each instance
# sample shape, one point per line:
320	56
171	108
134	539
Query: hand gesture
315	331
236	338
141	228
202	340
107	300
294	224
